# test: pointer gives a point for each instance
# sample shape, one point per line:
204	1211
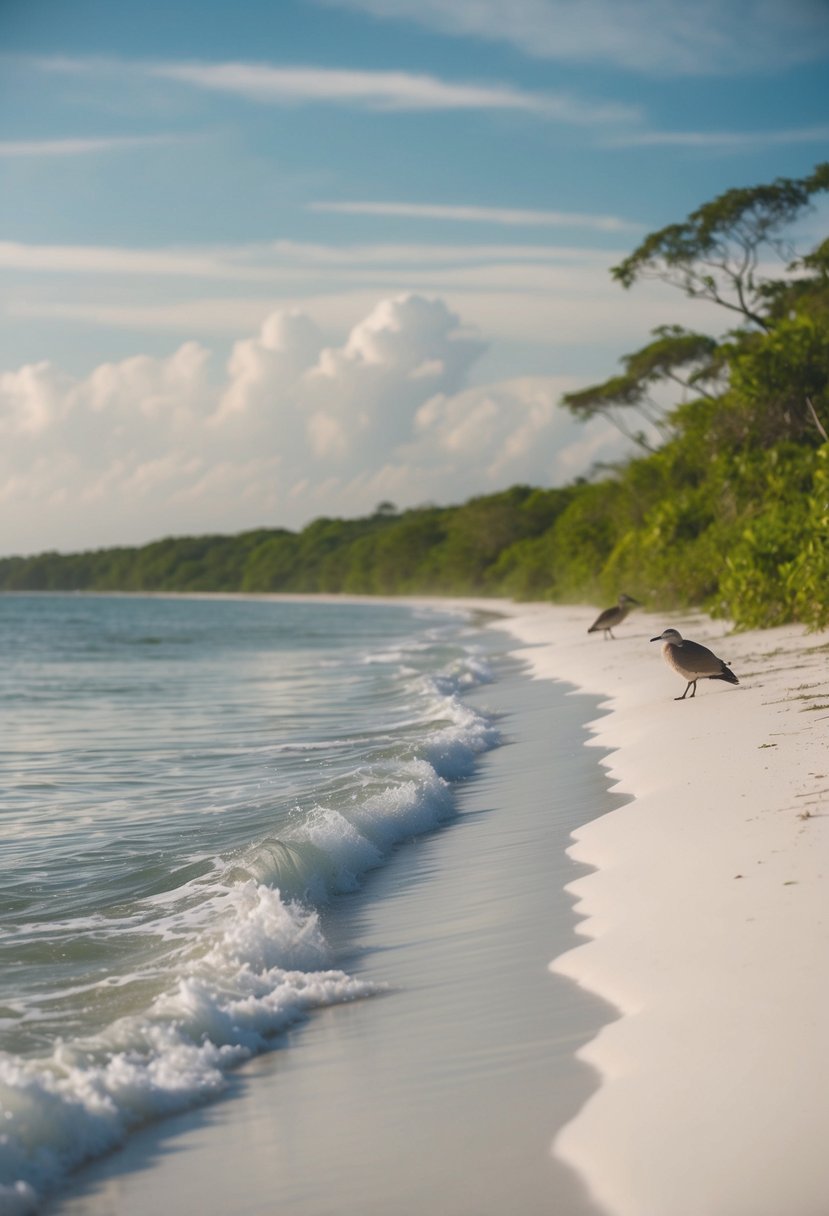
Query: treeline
725	506
497	544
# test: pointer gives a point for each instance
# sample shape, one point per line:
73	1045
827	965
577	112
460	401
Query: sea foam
263	970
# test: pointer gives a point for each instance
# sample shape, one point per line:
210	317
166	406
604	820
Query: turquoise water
186	783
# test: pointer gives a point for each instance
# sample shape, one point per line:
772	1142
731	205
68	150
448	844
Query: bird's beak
657	639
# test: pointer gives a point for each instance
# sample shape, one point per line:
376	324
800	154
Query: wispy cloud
383	90
560	308
729	141
655	37
433	254
375	90
267	261
509	216
83	146
107	260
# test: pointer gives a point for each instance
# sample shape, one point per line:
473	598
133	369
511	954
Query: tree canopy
715	253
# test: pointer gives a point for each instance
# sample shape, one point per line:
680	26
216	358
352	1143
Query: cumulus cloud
288	428
287	345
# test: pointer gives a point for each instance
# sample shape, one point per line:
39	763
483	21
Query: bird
692	661
605	621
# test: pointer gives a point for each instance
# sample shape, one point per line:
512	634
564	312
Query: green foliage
676	356
434	549
806	574
776	373
583	537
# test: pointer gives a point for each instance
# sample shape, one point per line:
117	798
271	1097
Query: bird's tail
726	674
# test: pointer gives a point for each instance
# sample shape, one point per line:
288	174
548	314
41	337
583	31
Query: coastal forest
724	504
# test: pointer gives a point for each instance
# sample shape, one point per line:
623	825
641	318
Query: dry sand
706	919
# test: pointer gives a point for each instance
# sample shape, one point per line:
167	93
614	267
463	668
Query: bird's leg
694	693
687	686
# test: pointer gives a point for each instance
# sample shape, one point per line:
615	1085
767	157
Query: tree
715	253
686	359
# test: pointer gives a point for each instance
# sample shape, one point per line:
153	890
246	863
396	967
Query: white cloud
547	296
659	37
274	84
271	261
514	431
335	285
288	429
83	146
482	215
104	260
32	399
364	395
729	141
447	254
384	90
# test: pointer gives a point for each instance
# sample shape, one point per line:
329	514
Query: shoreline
704	918
442	1093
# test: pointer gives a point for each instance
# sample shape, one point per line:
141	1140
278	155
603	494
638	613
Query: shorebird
605	621
692	661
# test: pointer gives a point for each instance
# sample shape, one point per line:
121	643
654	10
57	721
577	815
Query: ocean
192	787
185	782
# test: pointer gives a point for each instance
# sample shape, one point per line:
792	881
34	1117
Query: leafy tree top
676	354
687	359
715	253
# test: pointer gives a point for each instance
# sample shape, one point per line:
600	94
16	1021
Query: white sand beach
706	919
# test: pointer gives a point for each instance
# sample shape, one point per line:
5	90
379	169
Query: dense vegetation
726	506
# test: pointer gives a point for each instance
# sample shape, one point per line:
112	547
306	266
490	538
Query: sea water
186	784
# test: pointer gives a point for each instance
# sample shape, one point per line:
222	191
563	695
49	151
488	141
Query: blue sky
266	261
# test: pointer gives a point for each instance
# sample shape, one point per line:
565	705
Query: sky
277	259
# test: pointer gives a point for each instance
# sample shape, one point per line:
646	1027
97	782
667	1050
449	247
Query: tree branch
821	428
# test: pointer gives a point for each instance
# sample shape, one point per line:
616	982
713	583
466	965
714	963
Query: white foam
453	748
404	808
348	850
263	969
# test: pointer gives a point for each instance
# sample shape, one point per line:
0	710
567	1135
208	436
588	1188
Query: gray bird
605	621
692	661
